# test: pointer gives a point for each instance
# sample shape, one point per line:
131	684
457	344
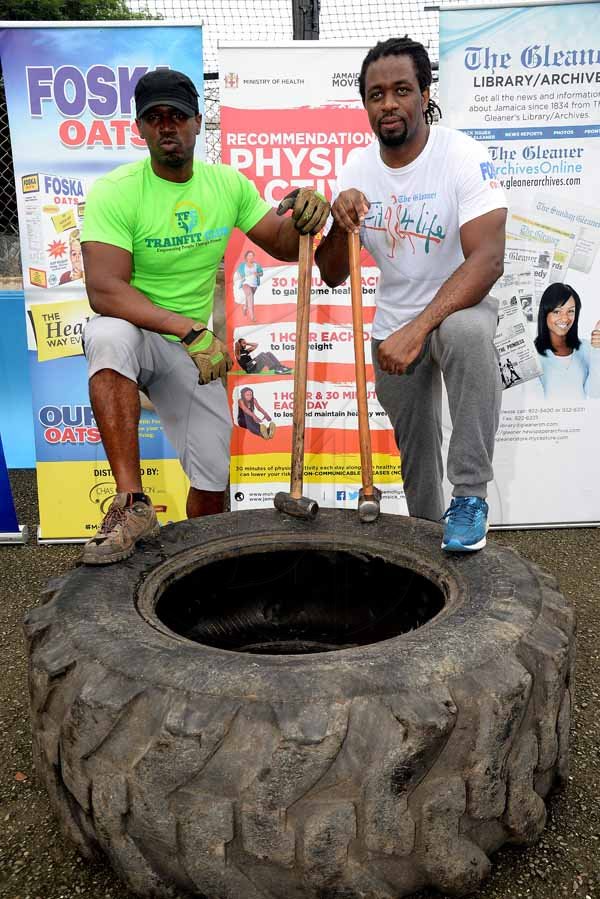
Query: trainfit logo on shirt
188	222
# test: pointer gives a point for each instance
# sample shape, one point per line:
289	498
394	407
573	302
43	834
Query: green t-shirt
176	233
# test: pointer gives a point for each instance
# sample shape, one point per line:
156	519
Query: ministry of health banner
69	90
290	117
526	82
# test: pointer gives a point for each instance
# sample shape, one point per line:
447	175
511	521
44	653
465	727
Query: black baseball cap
166	87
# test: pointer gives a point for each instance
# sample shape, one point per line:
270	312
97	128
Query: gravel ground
36	863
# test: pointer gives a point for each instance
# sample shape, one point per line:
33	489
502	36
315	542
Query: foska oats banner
69	89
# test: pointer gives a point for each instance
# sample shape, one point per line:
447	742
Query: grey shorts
196	418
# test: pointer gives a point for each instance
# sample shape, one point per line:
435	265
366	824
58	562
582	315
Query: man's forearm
118	299
288	241
467	286
332	256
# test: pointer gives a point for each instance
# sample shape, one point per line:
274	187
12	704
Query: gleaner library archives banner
69	90
290	117
526	82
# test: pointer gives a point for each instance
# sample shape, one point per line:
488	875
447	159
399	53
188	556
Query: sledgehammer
293	503
369	496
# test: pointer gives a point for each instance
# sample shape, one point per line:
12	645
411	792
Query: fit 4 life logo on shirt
406	219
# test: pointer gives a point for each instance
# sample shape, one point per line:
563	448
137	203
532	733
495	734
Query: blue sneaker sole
455	546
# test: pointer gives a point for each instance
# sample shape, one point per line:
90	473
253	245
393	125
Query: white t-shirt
412	228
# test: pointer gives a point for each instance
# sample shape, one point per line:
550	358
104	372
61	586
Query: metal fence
8	199
248	20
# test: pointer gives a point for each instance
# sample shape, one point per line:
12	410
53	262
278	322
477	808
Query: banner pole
10	530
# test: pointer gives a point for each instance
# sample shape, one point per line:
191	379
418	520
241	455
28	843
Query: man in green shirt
154	234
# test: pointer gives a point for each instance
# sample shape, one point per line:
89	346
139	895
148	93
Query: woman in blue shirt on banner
249	273
570	364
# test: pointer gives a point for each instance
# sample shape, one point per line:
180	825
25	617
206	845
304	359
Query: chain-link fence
272	20
8	200
253	20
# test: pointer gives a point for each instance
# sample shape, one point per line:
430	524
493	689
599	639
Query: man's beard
173	159
174	162
393	139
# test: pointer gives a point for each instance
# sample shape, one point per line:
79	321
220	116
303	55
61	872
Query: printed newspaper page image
518	357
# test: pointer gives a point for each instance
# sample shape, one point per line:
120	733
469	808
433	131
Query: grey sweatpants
461	350
195	417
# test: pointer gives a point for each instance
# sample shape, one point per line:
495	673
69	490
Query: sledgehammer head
368	505
303	507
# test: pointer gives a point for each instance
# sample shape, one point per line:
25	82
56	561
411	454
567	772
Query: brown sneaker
124	524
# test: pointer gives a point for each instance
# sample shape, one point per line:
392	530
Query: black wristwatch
198	328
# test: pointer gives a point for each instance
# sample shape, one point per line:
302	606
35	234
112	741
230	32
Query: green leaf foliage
67	10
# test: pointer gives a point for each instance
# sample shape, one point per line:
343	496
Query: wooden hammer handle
305	257
364	434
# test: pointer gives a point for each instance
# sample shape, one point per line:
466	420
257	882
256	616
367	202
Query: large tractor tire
254	707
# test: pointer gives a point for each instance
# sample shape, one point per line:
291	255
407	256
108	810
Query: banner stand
19	536
45	541
10	530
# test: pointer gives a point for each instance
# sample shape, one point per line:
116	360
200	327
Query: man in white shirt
431	213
